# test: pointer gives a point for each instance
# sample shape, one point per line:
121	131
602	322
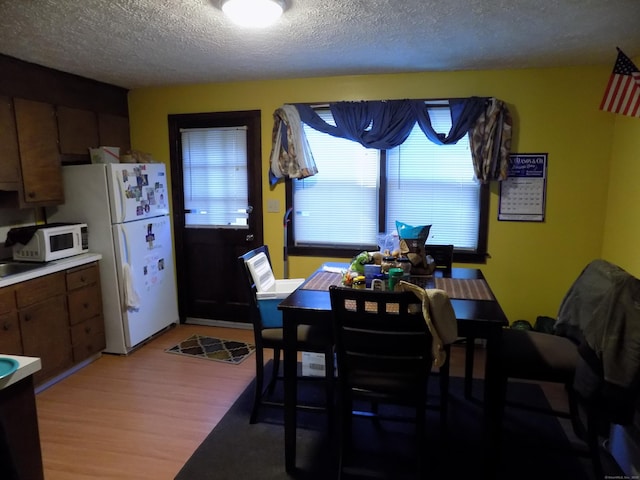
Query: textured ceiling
139	43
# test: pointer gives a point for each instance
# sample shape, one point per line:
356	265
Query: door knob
249	237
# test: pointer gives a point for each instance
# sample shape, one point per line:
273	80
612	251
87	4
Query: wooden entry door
217	196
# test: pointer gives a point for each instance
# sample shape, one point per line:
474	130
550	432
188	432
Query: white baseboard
218	323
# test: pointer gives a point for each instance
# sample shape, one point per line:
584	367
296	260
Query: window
214	162
359	193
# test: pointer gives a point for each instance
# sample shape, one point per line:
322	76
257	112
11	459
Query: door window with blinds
215	177
359	193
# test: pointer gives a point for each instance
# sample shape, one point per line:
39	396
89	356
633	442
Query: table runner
460	288
466	289
322	281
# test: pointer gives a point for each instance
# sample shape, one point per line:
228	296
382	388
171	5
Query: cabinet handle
31	195
87	330
82	279
6	326
27	318
85	305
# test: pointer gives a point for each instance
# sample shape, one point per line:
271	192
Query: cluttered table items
457	286
477	311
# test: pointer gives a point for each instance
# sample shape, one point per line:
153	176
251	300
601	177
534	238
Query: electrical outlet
273	206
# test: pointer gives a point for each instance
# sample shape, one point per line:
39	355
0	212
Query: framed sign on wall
523	192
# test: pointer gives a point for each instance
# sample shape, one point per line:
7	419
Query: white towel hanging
131	297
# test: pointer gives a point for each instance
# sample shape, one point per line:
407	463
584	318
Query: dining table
478	314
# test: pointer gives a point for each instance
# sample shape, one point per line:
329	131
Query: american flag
623	91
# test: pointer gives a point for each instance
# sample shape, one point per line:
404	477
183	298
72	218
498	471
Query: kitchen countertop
26	366
51	267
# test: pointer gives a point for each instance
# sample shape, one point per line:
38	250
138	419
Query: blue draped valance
386	124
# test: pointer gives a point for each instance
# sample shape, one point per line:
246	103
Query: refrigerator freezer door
146	279
138	191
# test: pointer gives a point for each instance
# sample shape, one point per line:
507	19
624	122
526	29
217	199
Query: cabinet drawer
7	299
10	339
84	303
88	338
82	277
38	289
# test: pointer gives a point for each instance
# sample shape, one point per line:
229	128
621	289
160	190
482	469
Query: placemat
467	289
322	281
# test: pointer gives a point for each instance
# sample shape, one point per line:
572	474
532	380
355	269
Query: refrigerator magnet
151	198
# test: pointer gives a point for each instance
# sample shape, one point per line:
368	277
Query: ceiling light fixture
253	13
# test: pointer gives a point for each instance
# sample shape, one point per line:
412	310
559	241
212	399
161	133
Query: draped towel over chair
387	124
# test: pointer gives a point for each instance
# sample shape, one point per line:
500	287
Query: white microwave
45	243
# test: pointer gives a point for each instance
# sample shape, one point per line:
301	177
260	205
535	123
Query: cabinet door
10	339
114	132
78	130
46	334
10	159
39	156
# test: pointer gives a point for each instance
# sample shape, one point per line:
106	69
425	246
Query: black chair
384	355
543	357
442	255
310	339
600	376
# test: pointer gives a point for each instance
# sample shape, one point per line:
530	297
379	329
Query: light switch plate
273	206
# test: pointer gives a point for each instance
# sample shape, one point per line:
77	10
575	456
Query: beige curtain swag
290	153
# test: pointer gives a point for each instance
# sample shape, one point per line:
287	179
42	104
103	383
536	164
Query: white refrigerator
126	209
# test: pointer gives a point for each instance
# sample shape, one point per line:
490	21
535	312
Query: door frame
250	118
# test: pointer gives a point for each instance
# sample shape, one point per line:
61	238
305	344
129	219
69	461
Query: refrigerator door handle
122	199
125	243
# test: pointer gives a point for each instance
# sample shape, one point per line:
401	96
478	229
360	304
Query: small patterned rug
229	351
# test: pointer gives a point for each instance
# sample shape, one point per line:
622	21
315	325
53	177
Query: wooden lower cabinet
10	339
56	317
44	323
85	312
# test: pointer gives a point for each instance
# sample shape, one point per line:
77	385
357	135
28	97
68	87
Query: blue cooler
270	292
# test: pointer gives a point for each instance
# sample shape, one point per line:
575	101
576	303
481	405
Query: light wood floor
142	416
139	416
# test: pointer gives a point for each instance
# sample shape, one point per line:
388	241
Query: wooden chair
310	339
383	350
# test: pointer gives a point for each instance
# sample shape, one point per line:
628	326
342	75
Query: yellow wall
622	226
555	111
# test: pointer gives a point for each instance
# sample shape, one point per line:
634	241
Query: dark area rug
210	348
237	450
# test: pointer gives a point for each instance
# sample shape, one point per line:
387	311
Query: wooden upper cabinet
39	156
9	155
78	130
114	131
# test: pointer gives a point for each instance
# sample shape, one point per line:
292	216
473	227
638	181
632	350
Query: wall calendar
523	192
